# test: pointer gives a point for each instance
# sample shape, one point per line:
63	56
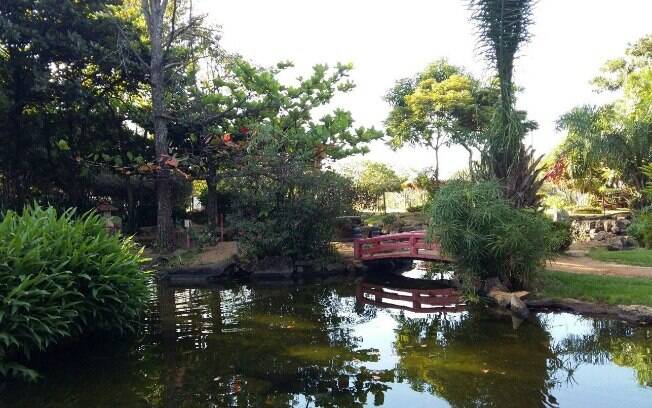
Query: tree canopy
440	106
617	135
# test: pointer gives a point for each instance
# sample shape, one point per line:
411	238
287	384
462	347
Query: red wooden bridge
411	245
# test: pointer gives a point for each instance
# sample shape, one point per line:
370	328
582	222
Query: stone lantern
106	210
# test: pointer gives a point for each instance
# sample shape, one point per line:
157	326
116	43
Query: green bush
60	277
389	219
641	229
486	236
295	218
560	236
415	208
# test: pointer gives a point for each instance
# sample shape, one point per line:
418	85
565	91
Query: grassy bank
638	256
613	290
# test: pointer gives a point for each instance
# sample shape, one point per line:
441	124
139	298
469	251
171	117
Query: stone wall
610	230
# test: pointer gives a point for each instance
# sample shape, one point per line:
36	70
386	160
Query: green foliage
647	172
560	236
441	106
65	90
641	228
616	135
389	219
293	216
60	277
486	235
556	201
415	209
502	30
374	181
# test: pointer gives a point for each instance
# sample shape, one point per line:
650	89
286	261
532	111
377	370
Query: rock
511	301
335	268
619	243
198	274
623	223
601	236
632	314
492	284
273	267
518	307
503	299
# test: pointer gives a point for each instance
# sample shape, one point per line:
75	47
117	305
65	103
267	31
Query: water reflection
316	346
410	294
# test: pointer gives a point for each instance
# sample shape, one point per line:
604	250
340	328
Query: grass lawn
613	290
638	256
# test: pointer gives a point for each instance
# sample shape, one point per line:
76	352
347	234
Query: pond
320	345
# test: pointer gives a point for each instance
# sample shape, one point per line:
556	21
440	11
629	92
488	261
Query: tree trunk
131	207
437	165
384	203
154	11
211	196
470	152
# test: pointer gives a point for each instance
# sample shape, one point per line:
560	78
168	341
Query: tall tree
166	31
503	27
62	83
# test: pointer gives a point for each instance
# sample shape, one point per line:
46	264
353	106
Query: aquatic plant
62	276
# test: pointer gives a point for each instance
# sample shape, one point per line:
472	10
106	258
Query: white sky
387	40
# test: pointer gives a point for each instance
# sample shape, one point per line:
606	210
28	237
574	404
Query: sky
387	40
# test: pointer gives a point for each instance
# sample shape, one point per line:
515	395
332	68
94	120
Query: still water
320	345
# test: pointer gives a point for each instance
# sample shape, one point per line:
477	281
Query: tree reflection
268	347
472	359
301	346
615	341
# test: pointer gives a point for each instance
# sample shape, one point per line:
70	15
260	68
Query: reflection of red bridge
418	300
410	245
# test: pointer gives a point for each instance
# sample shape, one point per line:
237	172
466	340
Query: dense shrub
62	276
414	208
389	219
560	236
641	228
486	236
294	219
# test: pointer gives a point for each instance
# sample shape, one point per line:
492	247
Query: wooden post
357	249
416	301
221	227
413	245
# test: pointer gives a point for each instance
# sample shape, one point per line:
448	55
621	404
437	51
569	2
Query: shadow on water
322	345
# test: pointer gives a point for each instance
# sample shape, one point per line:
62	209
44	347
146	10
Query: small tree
441	106
376	179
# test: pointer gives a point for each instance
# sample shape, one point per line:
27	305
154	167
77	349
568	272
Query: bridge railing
413	300
402	245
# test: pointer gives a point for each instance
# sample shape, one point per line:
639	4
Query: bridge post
357	249
414	251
